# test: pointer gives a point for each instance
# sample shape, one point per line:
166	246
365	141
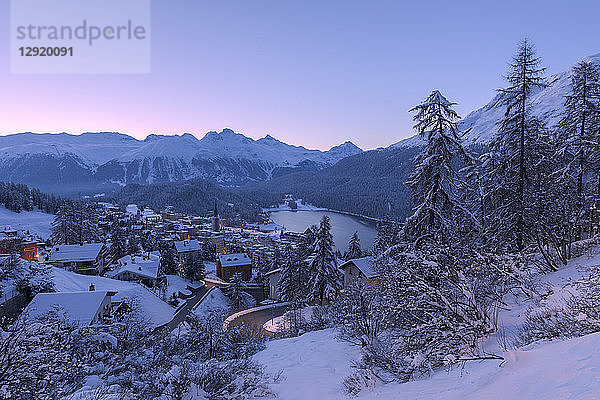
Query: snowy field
314	365
36	222
156	311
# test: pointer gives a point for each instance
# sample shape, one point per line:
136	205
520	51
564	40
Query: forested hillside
371	183
19	197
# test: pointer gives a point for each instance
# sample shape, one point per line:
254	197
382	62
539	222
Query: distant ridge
56	161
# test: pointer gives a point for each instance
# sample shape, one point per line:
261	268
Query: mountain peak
346	148
268	139
225	133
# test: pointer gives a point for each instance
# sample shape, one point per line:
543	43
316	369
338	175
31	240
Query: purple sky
308	72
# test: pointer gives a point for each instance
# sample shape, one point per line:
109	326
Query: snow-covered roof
187	245
145	265
234	260
365	266
80	307
131	209
75	252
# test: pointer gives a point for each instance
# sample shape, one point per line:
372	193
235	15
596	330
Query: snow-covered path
315	364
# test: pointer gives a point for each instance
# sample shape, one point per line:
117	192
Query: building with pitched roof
230	264
361	271
87	258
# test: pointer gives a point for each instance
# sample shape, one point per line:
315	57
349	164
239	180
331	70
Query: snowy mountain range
93	161
226	157
547	104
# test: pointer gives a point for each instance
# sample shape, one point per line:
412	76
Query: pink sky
312	73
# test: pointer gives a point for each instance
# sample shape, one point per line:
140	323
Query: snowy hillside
114	158
315	364
547	104
35	222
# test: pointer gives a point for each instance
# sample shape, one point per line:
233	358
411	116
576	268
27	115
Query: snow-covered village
299	201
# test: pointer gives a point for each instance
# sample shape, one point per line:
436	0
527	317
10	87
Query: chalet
88	258
273	279
83	308
230	264
142	268
361	271
187	247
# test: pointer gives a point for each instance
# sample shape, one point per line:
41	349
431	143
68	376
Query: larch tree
513	152
578	130
434	182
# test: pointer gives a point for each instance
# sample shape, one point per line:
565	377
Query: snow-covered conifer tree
236	293
434	181
118	246
387	235
325	279
62	227
193	267
354	250
168	259
579	133
293	279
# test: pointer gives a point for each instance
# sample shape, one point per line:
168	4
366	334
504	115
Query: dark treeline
19	197
371	183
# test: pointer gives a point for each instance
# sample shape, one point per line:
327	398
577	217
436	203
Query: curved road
256	319
187	307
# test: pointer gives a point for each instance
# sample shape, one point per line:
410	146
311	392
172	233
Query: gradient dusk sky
310	72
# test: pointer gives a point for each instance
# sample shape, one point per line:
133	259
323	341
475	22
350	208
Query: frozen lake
342	225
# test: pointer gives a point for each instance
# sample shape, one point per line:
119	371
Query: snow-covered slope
546	104
35	222
100	158
315	364
91	148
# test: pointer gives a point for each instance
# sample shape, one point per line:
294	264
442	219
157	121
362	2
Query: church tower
215	221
